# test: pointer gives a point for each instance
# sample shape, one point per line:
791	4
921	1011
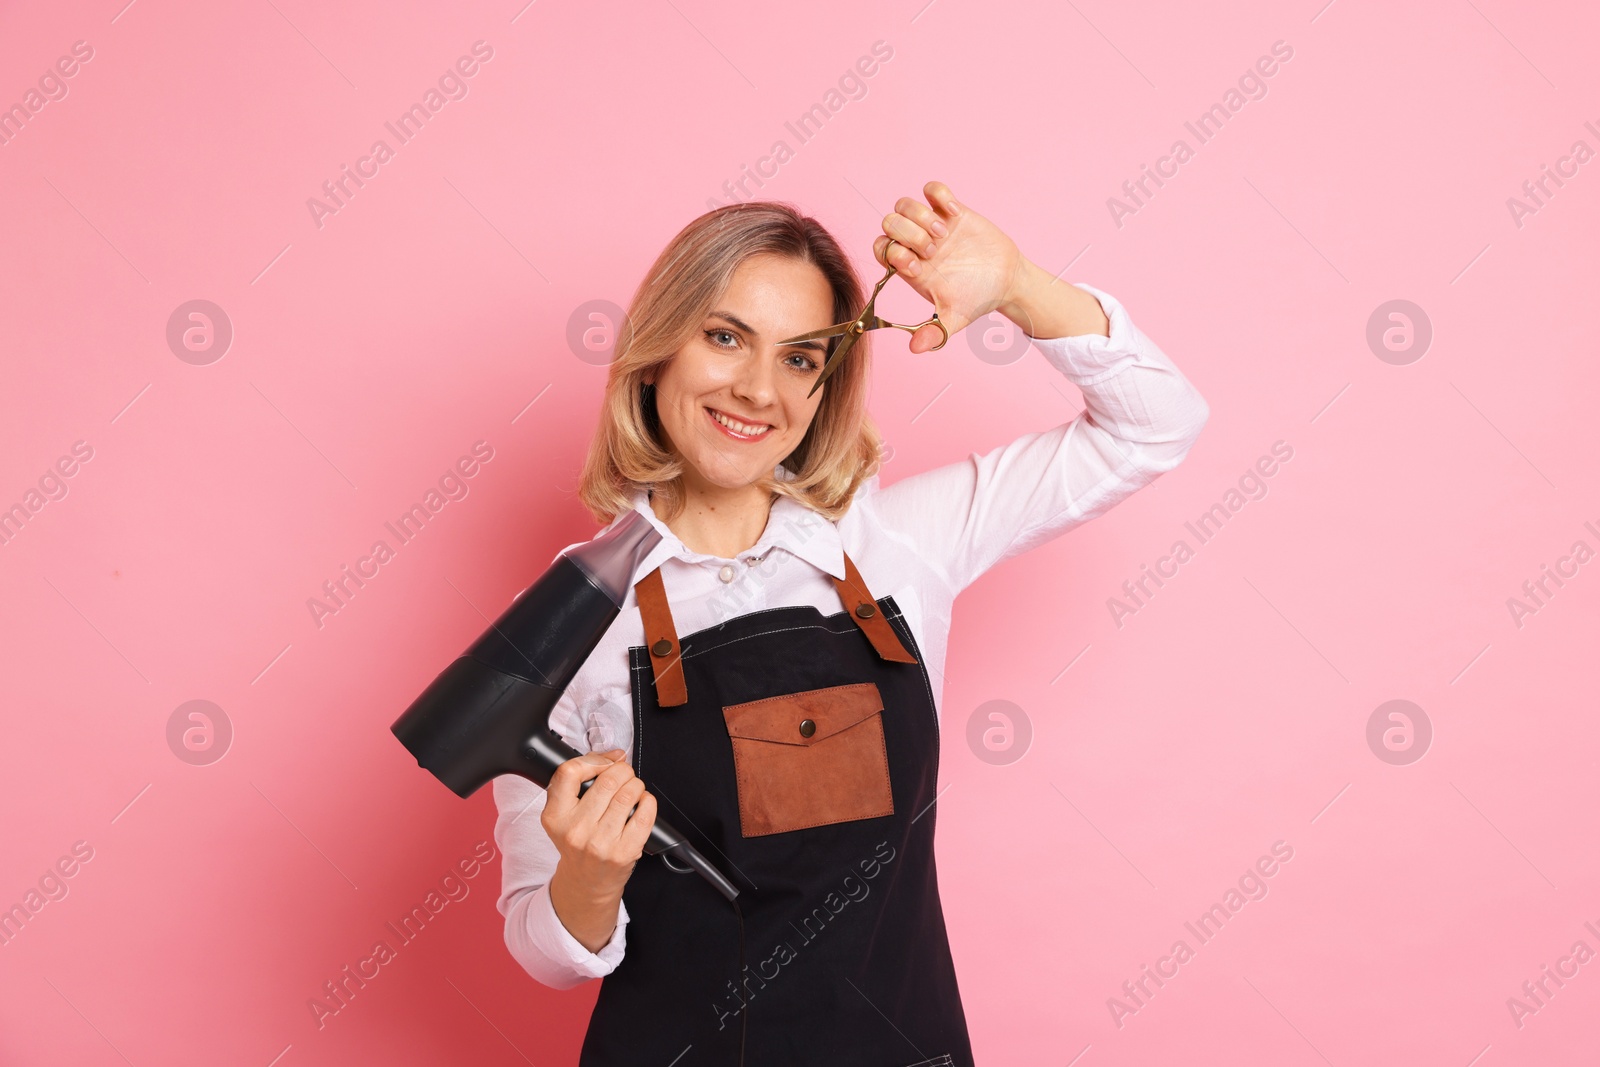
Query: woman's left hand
952	257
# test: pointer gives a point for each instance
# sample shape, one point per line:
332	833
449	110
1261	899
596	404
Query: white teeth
739	427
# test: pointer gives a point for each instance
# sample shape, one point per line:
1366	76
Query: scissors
867	320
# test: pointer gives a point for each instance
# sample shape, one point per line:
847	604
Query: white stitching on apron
638	725
926	685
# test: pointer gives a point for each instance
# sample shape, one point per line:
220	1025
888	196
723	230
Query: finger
637	832
900	257
613	756
942	199
923	215
909	233
616	813
593	803
562	795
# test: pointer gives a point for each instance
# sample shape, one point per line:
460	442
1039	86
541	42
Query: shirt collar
791	527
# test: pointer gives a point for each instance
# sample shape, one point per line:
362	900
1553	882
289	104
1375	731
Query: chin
747	475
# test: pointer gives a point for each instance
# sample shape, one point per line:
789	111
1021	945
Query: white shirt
922	540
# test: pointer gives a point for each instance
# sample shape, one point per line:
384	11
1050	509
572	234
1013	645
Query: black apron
803	762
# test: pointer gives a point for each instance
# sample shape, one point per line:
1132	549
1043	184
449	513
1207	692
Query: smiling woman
796	734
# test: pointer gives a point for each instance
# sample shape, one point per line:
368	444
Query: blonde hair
629	451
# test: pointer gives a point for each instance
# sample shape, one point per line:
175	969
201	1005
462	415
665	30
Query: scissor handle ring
931	322
909	329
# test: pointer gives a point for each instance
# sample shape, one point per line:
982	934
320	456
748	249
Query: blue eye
806	364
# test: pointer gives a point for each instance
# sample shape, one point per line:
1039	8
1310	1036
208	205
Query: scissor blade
818	335
844	346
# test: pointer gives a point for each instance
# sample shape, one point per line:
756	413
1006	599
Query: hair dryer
488	713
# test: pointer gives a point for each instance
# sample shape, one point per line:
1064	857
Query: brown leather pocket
810	758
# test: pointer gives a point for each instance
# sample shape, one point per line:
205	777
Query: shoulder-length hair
629	450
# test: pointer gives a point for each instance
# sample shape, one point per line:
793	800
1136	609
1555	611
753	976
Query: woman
733	682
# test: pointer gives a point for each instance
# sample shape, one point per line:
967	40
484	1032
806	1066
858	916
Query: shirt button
726	573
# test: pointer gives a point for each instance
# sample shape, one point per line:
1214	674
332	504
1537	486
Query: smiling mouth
734	428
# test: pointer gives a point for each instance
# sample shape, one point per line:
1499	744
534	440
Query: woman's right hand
598	839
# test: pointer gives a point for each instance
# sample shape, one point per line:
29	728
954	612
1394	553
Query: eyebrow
747	328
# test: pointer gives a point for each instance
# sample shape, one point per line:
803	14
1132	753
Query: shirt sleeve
1140	419
534	933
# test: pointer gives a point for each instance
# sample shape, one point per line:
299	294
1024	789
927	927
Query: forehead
779	296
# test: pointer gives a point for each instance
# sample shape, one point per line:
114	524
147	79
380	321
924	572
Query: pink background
1227	714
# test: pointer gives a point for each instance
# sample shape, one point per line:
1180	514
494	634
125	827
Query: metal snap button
661	648
726	573
807	727
866	609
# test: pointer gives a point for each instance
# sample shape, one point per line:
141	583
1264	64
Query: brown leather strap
863	608
666	655
661	638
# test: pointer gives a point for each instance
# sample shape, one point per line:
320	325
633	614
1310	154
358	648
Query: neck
721	522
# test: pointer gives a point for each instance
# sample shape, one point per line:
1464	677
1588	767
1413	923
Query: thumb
926	338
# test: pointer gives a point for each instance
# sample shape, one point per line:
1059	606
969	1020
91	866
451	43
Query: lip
729	432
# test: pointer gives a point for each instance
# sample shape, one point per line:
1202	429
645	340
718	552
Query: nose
756	383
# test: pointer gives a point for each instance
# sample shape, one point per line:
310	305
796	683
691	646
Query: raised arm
1141	416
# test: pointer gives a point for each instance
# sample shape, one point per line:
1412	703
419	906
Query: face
733	369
